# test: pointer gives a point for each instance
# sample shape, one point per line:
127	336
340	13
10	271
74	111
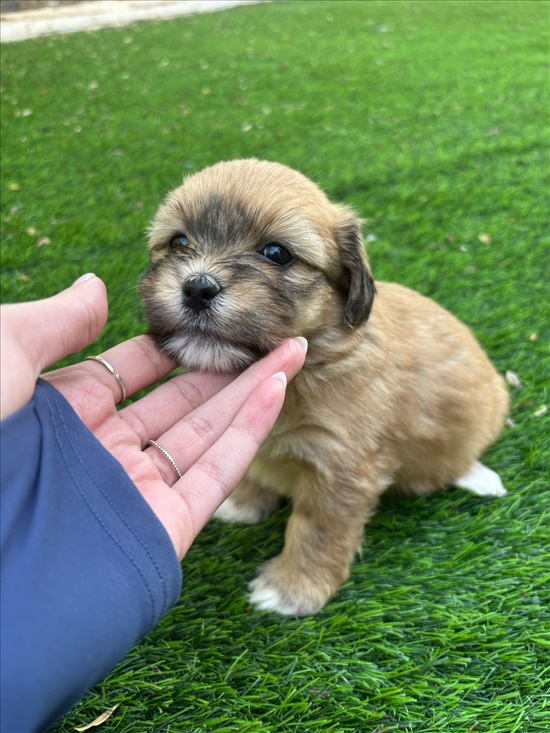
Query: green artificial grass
430	118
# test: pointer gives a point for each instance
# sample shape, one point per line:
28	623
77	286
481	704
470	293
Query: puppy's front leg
323	534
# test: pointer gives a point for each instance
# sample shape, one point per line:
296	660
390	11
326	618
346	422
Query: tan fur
397	394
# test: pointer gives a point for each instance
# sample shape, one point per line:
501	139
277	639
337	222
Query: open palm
212	425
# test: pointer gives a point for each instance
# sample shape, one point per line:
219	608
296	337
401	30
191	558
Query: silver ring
167	455
116	375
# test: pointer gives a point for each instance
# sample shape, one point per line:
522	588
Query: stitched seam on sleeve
96	515
118	513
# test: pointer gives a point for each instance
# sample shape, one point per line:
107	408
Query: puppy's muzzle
199	291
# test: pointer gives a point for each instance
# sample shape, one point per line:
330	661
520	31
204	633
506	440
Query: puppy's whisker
127	300
131	289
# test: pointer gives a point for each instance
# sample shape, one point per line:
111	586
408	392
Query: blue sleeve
86	569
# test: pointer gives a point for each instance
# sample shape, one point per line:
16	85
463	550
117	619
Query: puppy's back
450	402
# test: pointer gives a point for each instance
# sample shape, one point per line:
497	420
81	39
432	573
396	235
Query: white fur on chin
207	354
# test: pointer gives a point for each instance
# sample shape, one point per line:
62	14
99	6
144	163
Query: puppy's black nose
199	290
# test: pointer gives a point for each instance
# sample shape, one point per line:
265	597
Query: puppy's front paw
276	589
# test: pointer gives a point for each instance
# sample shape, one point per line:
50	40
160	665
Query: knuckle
203	429
189	391
215	476
91	321
249	435
151	352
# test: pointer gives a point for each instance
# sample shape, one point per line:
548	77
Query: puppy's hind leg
249	503
482	481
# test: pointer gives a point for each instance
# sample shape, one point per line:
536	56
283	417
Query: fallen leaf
484	238
43	241
533	336
99	720
31	231
541	411
513	379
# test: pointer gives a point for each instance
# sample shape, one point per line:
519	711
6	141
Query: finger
36	334
192	436
168	403
210	481
157	412
138	362
50	329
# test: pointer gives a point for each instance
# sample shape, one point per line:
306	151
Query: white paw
482	481
232	512
273	590
266	597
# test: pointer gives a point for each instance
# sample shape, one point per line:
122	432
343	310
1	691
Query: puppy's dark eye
277	254
180	243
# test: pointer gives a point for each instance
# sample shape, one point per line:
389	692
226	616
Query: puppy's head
245	254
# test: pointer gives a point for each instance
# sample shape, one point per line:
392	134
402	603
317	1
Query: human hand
212	425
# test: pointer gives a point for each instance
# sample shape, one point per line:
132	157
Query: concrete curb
101	14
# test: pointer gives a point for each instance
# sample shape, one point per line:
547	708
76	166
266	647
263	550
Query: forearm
87	569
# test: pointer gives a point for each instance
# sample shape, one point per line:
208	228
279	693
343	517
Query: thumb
65	323
37	334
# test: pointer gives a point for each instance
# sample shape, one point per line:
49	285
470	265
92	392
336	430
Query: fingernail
281	376
83	278
303	343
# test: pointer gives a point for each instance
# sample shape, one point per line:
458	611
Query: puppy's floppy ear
356	279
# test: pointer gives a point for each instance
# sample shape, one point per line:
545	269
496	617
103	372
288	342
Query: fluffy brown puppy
395	391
